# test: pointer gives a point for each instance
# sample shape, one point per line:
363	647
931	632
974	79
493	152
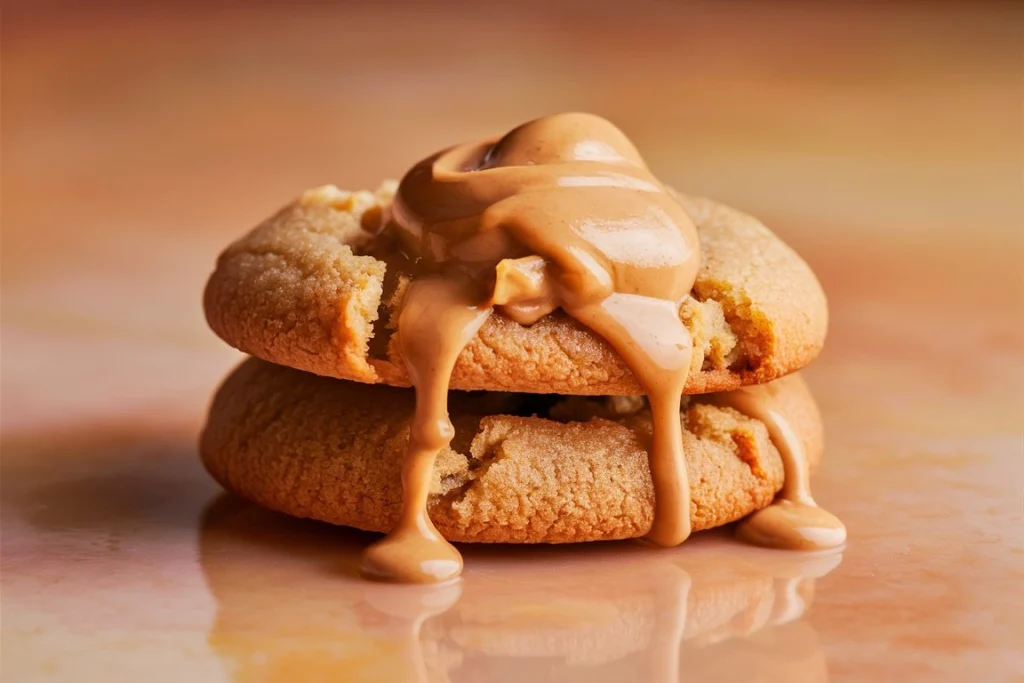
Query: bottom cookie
522	468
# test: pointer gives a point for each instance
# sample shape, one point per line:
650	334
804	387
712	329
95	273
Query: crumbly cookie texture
520	469
298	291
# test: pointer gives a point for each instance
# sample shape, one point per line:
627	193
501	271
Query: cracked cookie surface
331	450
300	291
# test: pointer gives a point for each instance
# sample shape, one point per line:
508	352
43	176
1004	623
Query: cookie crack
478	465
751	346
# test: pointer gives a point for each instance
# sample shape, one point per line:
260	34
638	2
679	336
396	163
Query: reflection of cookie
290	608
294	293
331	450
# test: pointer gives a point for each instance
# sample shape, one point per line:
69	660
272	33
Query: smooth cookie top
300	291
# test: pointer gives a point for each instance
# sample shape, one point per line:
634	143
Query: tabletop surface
884	144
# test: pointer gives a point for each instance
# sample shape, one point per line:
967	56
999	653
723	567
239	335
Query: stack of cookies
553	433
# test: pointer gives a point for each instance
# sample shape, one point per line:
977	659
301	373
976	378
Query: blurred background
883	140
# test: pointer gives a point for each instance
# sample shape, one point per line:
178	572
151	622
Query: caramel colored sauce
793	520
559	213
436	323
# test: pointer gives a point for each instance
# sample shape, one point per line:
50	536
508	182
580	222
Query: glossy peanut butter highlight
563	213
559	213
793	521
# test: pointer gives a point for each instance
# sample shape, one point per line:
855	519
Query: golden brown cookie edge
331	450
292	292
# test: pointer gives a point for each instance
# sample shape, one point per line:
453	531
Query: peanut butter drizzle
793	520
437	320
559	213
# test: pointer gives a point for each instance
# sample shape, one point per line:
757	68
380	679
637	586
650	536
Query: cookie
521	469
300	291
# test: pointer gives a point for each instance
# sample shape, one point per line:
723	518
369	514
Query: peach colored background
883	142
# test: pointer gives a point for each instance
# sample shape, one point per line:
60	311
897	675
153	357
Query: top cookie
299	291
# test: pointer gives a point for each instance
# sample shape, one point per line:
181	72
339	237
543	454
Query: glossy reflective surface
136	144
123	576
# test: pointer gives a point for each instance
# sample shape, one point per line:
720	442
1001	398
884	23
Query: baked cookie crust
299	291
331	450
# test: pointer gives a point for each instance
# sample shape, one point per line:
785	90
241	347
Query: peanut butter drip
437	320
559	213
793	521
